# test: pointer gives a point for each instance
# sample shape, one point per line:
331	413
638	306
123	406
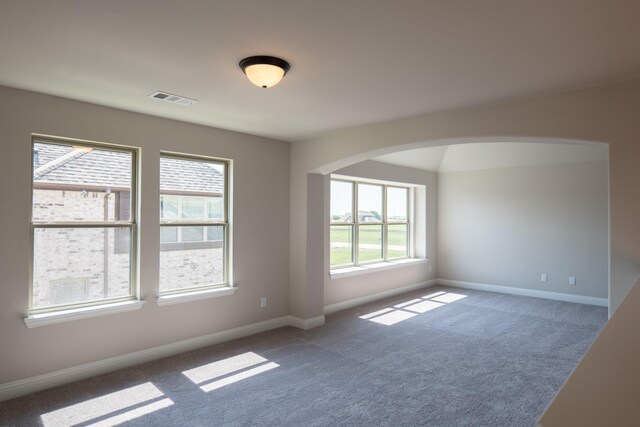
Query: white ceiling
494	155
353	61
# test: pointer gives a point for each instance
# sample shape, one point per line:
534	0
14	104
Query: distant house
363	216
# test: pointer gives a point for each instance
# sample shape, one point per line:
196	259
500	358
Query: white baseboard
87	370
332	308
299	323
602	302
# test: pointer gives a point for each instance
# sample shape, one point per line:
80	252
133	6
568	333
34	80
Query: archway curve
367	155
337	164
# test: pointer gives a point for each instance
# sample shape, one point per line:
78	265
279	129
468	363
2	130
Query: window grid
224	223
131	224
389	222
355	225
207	208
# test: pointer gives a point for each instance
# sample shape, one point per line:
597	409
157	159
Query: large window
194	223
83	224
379	231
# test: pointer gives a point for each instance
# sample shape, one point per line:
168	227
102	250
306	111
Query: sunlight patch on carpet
111	409
218	374
406	310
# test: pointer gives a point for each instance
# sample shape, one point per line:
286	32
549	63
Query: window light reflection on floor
448	297
408	309
111	409
228	371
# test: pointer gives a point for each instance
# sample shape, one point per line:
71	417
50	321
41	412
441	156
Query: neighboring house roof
192	176
79	167
363	216
67	166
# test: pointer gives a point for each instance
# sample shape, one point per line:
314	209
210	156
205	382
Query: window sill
370	268
43	319
196	295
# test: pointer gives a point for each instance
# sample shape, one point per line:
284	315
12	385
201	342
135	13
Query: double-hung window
83	224
369	223
194	223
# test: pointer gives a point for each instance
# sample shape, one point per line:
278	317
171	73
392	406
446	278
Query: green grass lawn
369	235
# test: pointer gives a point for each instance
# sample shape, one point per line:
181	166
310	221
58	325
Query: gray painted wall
508	226
343	289
602	114
262	196
260	231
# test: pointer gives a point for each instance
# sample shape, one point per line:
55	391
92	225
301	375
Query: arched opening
534	221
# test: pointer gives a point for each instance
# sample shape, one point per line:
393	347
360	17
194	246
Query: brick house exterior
74	264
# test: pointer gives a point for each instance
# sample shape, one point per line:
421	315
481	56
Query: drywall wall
603	389
340	289
260	234
508	226
605	114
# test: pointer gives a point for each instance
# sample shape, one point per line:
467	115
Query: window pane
193	264
198	185
397	241
341	201
397	204
341	245
369	243
215	207
169	207
192	234
369	203
215	234
168	234
192	208
80	183
78	265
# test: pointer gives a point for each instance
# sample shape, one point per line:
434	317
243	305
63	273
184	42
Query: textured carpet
437	357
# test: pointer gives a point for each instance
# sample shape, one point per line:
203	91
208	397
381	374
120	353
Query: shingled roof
69	166
183	175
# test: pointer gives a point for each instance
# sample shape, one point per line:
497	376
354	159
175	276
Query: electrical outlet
572	280
429	269
263	302
543	277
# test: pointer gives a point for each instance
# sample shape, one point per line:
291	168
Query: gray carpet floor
436	357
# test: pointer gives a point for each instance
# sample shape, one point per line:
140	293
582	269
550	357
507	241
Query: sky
369	199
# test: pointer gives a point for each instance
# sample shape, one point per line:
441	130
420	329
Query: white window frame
225	223
179	203
355	222
131	224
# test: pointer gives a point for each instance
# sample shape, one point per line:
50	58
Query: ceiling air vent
174	99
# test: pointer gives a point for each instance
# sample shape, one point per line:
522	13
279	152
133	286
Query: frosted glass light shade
264	75
264	71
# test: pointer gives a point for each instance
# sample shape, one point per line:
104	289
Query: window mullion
385	229
68	224
192	223
411	193
225	252
134	288
356	224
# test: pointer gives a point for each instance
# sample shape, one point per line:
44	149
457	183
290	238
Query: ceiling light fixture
264	71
